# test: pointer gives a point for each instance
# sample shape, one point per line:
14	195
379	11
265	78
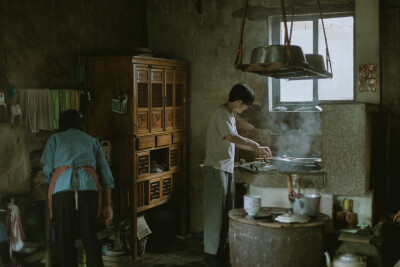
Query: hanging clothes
35	106
40	108
63	99
17	236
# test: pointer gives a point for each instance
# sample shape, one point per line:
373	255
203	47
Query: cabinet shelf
155	175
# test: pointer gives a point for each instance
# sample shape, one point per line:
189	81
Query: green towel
55	106
60	100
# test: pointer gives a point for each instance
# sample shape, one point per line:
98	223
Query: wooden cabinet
149	139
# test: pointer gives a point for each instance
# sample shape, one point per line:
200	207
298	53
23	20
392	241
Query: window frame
274	38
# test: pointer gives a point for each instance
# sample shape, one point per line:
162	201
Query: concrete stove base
258	243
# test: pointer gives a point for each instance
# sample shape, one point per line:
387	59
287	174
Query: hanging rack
285	69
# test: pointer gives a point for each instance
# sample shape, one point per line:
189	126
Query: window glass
308	34
302	90
340	44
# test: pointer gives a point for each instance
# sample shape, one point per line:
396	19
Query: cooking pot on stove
296	164
345	260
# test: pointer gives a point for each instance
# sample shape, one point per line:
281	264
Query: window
308	34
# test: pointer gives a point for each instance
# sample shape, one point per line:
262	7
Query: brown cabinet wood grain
146	142
151	131
164	139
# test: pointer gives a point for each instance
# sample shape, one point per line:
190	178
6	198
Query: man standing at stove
219	184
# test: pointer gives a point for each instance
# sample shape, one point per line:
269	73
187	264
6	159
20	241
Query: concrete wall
208	42
207	39
367	46
43	39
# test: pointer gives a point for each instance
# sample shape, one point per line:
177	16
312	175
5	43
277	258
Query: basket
106	147
120	106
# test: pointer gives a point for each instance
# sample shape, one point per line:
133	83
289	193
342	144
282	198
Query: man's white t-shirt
220	153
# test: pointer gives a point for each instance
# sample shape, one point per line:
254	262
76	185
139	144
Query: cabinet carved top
158	61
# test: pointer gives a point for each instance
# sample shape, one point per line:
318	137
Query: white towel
35	109
17	236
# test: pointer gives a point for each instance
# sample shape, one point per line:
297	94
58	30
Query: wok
296	164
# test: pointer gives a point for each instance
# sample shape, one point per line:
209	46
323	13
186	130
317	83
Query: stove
285	165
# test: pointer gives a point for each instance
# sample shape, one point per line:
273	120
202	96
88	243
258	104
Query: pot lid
292	218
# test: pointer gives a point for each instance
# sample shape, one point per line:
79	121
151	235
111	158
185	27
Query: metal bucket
307	204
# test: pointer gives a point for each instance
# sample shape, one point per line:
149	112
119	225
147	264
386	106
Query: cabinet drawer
142	164
175	157
178	137
155	190
166	186
163	140
145	142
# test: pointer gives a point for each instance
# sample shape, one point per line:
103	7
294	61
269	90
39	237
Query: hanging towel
35	106
17	236
55	106
76	100
63	99
40	108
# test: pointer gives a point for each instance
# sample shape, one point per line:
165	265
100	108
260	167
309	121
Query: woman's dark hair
242	92
71	119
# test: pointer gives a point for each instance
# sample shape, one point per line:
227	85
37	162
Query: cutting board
14	159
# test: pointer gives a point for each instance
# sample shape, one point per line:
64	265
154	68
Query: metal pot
295	164
316	61
278	54
307	204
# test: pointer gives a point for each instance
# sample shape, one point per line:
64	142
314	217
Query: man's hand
265	151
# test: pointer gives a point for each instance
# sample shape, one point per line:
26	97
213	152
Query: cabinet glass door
169	100
157	97
179	98
142	100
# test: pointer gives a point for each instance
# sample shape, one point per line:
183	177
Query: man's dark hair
71	119
242	92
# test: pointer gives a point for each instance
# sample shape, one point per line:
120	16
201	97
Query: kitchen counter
273	178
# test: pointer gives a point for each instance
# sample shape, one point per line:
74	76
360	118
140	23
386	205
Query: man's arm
248	144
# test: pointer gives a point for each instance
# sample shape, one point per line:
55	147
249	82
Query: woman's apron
59	171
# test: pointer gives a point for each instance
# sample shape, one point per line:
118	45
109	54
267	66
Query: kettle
345	260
